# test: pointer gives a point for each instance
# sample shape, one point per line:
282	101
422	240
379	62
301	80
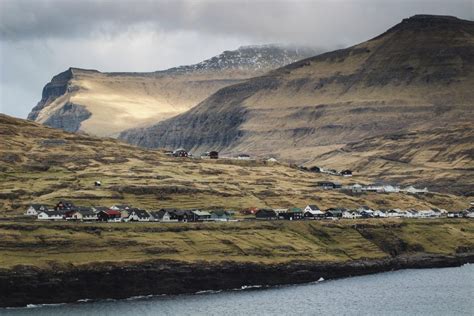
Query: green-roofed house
293	213
200	216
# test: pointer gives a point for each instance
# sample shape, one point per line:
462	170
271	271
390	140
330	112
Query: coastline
24	285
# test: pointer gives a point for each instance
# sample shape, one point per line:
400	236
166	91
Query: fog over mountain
42	38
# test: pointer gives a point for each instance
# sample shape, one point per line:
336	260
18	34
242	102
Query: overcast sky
39	39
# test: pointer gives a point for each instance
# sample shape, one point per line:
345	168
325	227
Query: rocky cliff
416	76
25	285
104	104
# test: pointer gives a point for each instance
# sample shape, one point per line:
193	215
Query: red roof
113	212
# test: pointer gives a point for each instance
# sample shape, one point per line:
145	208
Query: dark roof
140	213
220	213
39	207
266	211
101	208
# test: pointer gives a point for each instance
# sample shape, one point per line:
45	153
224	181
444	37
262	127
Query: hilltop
415	78
104	104
39	164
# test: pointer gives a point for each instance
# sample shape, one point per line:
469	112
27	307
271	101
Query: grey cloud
40	38
296	21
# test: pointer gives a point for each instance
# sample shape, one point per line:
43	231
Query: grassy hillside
49	245
41	164
441	159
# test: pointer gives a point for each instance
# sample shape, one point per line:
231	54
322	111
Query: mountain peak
269	56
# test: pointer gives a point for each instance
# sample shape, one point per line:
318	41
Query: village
67	211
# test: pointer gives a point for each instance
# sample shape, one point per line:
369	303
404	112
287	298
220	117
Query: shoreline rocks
24	285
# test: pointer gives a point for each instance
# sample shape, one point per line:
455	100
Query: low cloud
40	38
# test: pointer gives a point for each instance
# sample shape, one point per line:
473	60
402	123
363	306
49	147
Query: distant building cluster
65	210
314	212
359	188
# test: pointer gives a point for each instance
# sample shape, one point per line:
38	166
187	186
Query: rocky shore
28	285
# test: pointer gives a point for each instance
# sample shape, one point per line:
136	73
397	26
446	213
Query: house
334	213
469	213
293	213
138	215
34	209
366	213
184	215
243	157
50	215
81	214
109	216
455	214
279	211
311	207
200	216
353	214
220	215
272	160
413	190
393	213
64	206
88	215
266	214
180	152
328	185
356	188
97	183
164	215
380	213
213	154
312	212
346	173
315	169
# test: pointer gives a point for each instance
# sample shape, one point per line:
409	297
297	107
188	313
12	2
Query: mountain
415	77
39	164
105	104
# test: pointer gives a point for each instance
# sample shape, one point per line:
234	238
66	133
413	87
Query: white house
351	214
243	157
312	211
426	214
379	213
356	188
391	189
50	215
34	209
413	190
469	214
138	215
311	207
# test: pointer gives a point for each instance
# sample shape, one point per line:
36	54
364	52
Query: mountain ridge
105	103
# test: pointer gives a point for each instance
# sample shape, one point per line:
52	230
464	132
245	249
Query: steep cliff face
416	76
105	104
54	89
